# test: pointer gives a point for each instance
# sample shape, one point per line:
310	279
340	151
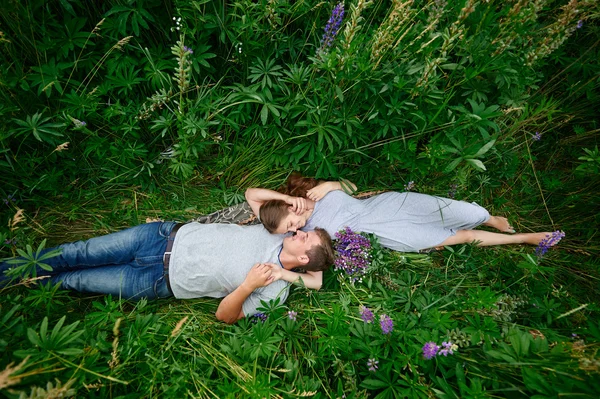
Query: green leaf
339	93
477	164
264	114
374	384
484	149
452	165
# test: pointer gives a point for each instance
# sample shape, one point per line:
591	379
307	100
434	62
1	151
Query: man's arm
230	308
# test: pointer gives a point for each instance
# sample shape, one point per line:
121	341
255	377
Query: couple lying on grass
168	259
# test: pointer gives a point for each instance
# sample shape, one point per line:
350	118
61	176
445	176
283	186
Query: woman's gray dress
406	222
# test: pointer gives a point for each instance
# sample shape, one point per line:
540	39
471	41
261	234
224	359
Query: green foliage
174	108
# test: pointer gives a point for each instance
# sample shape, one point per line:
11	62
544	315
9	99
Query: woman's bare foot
500	223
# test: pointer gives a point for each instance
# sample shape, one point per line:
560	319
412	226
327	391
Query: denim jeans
126	264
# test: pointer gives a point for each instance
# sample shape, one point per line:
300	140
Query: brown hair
272	212
320	257
297	185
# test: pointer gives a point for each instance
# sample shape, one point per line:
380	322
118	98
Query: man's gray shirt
212	260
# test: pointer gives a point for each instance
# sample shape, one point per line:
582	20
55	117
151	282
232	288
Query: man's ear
303	259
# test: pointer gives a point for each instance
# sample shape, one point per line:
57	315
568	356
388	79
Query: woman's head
278	218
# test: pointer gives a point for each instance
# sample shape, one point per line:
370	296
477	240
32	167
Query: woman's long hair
273	212
297	185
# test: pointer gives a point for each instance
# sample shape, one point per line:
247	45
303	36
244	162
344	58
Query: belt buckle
165	257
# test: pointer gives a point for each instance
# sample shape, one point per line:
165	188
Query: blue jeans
127	264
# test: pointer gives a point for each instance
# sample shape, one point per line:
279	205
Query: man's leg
117	248
142	278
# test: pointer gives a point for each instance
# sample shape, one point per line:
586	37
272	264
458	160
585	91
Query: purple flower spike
259	317
549	241
452	191
366	314
537	136
188	50
449	349
386	323
332	28
292	315
430	350
352	253
579	24
373	365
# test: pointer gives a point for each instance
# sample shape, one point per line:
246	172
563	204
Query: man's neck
288	261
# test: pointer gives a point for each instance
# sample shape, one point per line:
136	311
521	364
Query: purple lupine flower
430	350
188	50
409	186
452	191
352	253
574	336
259	317
10	198
448	348
366	314
548	242
537	136
579	24
332	28
292	315
386	323
373	365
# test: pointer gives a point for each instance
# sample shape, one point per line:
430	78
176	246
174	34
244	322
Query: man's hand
259	276
297	204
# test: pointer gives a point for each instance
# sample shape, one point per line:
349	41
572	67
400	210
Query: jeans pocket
161	289
164	229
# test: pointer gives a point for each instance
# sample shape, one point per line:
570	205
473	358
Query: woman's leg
500	223
486	238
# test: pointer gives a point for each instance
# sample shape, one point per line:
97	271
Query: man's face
300	242
291	223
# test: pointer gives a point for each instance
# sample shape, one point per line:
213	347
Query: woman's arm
322	189
257	196
312	280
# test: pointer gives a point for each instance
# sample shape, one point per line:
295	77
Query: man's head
278	218
311	251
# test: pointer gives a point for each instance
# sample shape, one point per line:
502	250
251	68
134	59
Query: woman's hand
318	192
297	204
276	271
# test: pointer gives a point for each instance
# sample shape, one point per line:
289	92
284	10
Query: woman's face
292	222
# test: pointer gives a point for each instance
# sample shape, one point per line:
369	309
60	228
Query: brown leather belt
167	254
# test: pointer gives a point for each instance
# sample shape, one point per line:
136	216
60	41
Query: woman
407	221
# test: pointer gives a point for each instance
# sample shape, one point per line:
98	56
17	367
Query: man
164	259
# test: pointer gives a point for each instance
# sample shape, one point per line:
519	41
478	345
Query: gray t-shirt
212	260
406	222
